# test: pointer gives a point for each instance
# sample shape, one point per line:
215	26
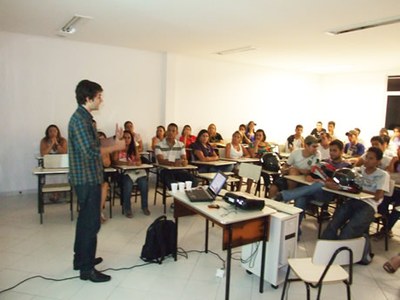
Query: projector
243	202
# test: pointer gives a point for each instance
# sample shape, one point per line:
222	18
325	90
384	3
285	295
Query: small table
215	163
164	188
242	159
240	228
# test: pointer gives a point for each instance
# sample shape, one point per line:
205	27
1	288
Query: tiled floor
28	248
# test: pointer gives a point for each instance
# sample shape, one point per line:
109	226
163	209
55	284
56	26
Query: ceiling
287	34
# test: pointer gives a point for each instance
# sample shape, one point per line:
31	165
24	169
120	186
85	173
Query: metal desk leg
40	197
206	241
228	263
264	242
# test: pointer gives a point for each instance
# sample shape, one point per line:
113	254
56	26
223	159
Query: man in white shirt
171	152
299	162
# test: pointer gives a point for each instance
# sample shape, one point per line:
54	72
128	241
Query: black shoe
97	261
95	276
326	215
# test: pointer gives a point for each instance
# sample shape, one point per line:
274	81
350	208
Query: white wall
38	77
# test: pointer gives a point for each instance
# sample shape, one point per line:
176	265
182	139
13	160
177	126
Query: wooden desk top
188	167
242	159
128	167
44	171
215	163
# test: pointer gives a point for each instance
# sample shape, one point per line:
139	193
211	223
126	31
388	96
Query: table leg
176	239
264	243
206	241
164	196
228	263
40	197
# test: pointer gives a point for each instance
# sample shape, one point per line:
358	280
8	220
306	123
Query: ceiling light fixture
365	25
236	50
69	27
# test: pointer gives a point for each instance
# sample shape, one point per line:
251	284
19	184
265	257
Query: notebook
55	161
208	195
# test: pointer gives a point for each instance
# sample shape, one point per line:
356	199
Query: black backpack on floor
160	240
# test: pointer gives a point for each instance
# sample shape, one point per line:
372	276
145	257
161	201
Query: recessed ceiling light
70	26
363	26
236	50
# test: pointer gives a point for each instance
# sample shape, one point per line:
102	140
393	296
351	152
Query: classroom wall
38	76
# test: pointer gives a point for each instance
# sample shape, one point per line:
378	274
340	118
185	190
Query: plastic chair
251	171
326	264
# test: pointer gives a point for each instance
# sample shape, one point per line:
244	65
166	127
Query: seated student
171	152
187	139
130	156
331	129
214	137
383	208
250	131
316	132
235	149
53	142
105	185
296	140
299	162
128	125
353	218
389	149
304	194
259	146
325	139
160	135
242	131
203	151
386	163
395	139
353	148
359	139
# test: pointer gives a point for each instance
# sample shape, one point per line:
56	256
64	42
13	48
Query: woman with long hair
130	156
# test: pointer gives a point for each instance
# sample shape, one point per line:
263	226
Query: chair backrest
392	184
51	161
221	152
251	171
325	249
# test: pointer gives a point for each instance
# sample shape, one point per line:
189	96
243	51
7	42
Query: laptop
208	195
55	161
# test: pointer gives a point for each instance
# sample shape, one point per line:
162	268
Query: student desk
41	173
163	193
239	227
242	159
302	179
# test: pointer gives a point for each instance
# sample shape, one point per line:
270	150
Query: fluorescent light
236	50
365	25
69	27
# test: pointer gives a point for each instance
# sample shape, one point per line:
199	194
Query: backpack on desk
160	240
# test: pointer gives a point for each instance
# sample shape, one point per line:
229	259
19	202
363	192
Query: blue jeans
304	194
87	226
383	208
126	185
350	220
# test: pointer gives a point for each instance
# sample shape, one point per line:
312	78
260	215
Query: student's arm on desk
200	156
183	162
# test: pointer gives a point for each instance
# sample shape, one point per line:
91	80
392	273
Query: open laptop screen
217	183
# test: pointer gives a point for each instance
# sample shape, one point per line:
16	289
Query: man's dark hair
173	125
378	152
332	123
337	143
378	139
87	89
299	126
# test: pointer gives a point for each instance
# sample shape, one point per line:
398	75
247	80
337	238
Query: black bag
160	240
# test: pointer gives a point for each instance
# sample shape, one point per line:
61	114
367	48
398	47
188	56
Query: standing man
86	175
